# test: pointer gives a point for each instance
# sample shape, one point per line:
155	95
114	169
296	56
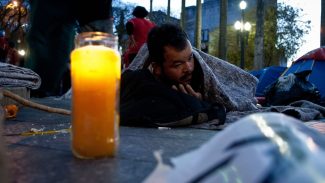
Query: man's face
178	65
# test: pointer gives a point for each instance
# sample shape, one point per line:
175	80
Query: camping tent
314	61
266	77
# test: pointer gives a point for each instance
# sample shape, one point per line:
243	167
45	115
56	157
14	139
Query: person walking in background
137	28
51	36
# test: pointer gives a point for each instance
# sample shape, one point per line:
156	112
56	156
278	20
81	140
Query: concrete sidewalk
48	158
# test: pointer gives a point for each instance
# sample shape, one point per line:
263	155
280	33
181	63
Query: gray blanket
303	110
14	76
224	83
235	89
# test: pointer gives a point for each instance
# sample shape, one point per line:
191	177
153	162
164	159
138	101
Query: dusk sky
311	11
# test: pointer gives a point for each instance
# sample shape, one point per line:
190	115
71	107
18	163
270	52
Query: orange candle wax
95	74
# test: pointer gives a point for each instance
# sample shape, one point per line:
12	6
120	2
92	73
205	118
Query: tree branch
31	104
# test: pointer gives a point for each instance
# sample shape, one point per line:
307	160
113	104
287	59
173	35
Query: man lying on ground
169	83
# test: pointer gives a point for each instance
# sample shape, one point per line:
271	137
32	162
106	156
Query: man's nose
188	67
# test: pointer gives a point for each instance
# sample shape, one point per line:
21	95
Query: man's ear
156	69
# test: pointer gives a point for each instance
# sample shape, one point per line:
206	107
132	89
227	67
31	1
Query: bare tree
168	11
198	24
290	29
183	17
322	33
259	36
223	30
151	6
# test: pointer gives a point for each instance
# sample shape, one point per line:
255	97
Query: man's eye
192	55
177	65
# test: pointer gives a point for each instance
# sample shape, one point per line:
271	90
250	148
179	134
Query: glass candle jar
95	76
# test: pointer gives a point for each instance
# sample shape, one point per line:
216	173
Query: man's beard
186	79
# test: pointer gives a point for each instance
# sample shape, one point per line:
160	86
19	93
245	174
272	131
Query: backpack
290	88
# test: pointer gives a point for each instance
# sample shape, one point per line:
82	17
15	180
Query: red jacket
141	28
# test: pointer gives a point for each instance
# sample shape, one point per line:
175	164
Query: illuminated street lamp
239	26
242	27
247	26
12	5
15	3
21	52
242	5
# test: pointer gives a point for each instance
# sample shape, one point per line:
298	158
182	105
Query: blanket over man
233	88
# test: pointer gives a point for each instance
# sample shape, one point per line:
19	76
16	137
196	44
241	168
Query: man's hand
187	89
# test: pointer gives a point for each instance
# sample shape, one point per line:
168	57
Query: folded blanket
224	83
14	76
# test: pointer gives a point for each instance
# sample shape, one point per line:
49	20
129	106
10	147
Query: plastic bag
291	88
262	147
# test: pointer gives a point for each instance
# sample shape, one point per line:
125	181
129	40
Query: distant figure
51	36
12	54
137	28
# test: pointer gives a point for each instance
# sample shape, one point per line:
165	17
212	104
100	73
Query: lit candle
95	74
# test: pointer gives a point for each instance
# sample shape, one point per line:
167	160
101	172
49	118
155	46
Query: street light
242	5
15	3
12	5
242	27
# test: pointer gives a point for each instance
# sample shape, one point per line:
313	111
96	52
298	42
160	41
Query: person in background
54	24
137	28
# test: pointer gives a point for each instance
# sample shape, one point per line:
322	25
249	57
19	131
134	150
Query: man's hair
165	35
140	12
